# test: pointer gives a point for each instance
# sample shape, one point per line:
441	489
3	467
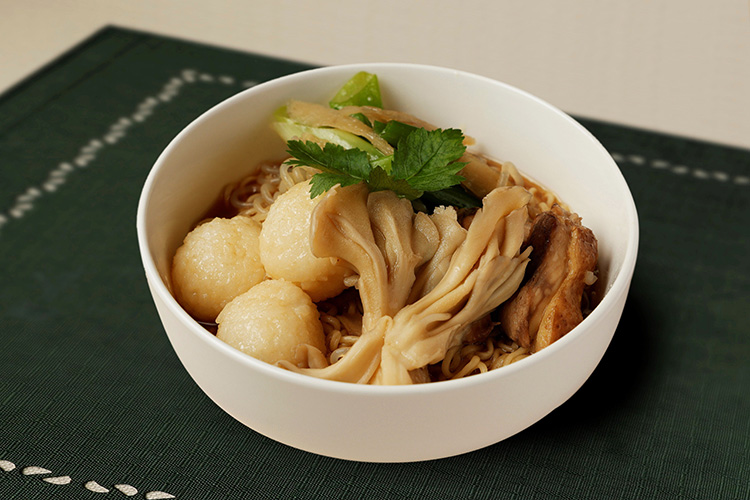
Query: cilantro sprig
423	161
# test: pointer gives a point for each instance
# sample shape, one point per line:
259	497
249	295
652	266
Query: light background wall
678	66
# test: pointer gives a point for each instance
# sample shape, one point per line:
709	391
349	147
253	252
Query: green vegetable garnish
361	90
288	129
361	117
455	196
393	131
423	167
425	160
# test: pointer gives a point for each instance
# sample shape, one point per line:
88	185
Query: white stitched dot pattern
118	130
7	466
93	486
58	176
683	170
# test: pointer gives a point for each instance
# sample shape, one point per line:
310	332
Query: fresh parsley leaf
426	158
320	183
339	165
393	131
438	178
332	158
424	161
384	163
380	180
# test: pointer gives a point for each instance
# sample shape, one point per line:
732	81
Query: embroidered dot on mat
95	487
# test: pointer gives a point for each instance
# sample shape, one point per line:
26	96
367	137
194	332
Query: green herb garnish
423	161
393	131
423	167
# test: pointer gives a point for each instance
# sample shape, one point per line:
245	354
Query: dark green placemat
92	397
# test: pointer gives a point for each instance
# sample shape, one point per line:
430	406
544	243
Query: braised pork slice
478	331
548	304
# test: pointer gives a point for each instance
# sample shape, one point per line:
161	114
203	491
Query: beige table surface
677	66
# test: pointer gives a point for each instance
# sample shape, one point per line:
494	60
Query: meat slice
478	331
548	304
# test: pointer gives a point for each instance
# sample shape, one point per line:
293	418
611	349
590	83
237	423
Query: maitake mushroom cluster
422	279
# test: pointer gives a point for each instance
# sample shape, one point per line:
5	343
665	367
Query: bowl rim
613	293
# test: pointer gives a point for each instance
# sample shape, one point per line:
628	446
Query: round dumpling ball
217	261
285	246
270	320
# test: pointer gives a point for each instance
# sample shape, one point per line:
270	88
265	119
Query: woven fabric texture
95	404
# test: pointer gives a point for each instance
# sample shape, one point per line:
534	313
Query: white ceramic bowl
408	423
